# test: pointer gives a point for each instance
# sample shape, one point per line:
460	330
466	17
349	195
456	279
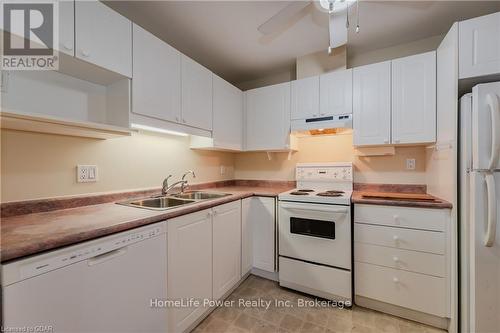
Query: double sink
173	201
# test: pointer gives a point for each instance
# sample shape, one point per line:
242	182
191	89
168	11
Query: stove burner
299	193
305	190
332	193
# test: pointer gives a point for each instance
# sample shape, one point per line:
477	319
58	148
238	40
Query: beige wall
320	62
393	52
40	165
337	148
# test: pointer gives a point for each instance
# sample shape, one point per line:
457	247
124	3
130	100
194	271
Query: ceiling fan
338	12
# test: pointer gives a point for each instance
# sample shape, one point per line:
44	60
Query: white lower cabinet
204	253
246	236
398	263
226	247
258	234
263	221
189	266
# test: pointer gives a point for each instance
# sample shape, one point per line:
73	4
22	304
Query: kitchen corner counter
357	198
29	234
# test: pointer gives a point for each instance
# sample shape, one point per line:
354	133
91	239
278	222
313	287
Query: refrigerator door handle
489	238
492	101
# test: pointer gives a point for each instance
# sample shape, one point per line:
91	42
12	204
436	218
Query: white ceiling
223	36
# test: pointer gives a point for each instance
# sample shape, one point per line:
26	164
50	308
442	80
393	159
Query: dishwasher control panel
60	258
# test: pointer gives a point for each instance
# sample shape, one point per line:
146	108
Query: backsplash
37	166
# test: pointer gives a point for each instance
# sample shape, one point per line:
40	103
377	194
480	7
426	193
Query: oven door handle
316	208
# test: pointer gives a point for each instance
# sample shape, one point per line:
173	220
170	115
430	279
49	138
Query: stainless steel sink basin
160	203
198	195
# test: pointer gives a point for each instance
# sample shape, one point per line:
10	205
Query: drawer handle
395	280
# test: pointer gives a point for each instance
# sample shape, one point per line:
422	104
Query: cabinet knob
176	118
86	53
396	218
395	238
183	120
209	214
214	212
395	259
68	46
395	280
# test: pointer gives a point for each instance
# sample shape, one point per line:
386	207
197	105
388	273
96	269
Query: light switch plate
410	164
86	173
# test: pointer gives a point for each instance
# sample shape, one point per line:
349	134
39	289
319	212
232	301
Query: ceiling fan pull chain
347	15
357	16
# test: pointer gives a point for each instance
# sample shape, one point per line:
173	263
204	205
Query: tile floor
242	319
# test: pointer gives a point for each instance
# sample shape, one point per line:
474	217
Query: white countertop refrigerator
479	193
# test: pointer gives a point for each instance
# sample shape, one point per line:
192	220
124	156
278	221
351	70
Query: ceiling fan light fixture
330	6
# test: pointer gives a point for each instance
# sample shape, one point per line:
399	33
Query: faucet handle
187	173
165	181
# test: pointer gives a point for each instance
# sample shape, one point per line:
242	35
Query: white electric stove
315	232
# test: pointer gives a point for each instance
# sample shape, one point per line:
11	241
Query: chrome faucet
184	183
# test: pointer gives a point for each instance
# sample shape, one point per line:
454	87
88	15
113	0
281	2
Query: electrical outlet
222	170
86	173
410	164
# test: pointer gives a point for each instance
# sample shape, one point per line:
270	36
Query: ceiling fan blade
284	17
338	29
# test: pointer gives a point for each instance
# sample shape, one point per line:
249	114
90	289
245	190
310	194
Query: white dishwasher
103	285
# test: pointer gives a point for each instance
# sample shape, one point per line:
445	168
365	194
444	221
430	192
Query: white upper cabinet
336	93
228	115
156	84
67	27
196	95
305	98
479	46
103	37
226	247
372	104
414	99
268	118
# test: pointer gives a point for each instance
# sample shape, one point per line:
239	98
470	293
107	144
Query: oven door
317	233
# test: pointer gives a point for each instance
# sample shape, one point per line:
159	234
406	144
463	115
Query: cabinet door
268	118
189	266
196	95
103	37
226	247
479	46
336	93
228	115
414	99
246	236
156	84
372	104
305	98
67	27
262	218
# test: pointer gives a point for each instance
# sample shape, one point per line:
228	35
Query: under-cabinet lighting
157	130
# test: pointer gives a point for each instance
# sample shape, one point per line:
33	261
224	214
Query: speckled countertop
28	234
360	189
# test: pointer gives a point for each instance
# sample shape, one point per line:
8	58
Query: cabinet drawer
417	218
414	291
408	239
413	261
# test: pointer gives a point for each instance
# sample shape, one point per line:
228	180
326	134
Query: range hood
323	125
